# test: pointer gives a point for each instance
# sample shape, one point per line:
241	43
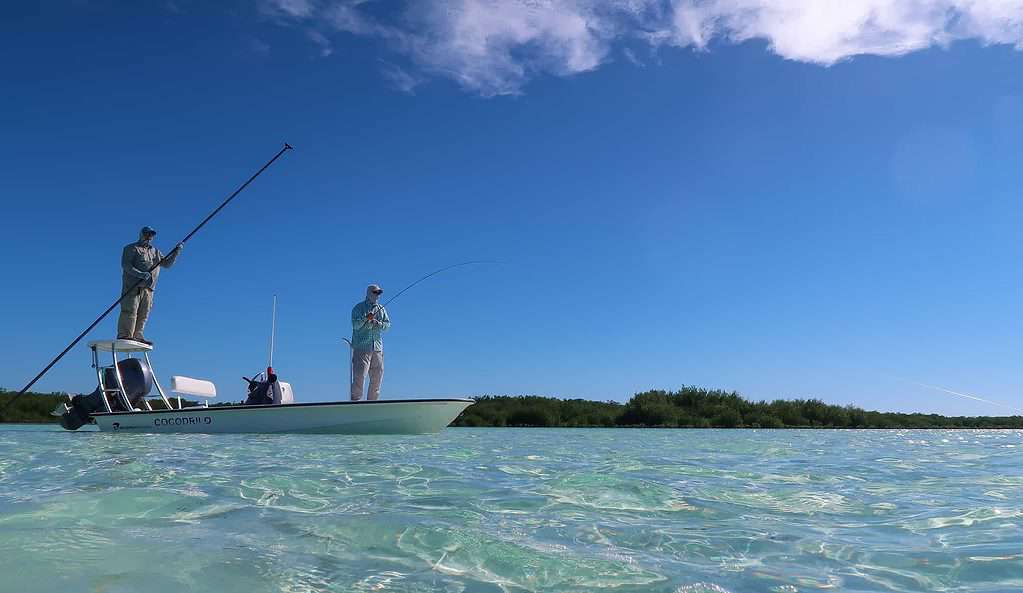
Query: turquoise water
491	510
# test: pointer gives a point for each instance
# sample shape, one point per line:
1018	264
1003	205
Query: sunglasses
378	292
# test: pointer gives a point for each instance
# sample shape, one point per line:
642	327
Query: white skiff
403	416
120	404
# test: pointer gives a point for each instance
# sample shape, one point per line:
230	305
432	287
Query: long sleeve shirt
366	335
137	259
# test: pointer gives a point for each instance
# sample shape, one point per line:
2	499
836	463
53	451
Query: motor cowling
137	378
79	413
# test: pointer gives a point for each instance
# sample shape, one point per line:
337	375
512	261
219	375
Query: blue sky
726	194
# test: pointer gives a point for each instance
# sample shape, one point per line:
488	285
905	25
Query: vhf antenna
273	331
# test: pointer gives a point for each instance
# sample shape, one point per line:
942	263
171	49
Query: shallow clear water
489	510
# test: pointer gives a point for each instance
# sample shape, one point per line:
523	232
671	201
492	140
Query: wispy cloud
494	47
631	57
321	41
399	78
296	9
259	47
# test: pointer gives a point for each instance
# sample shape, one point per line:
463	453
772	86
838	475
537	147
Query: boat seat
194	387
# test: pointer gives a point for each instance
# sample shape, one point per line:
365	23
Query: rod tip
288	146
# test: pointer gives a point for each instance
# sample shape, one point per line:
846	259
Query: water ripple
510	510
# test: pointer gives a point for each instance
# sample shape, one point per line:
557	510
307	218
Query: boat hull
421	416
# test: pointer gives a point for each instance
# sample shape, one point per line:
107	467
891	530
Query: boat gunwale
279	406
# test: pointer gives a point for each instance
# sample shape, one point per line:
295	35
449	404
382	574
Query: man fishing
369	320
140	266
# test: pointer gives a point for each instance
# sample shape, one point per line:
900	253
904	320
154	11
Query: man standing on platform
369	320
140	267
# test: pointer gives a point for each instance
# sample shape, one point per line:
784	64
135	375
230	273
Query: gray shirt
137	259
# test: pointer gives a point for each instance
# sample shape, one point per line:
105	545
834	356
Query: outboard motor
260	390
137	378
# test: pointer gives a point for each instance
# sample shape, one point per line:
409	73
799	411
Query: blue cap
148	230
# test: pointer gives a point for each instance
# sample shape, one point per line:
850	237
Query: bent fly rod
431	274
465	263
351	369
209	217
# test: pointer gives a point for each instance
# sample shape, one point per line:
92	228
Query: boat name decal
182	421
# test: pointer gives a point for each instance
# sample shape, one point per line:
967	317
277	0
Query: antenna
273	331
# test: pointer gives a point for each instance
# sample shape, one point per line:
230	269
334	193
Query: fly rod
209	217
431	274
465	263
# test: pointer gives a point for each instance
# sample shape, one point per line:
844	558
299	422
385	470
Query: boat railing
128	348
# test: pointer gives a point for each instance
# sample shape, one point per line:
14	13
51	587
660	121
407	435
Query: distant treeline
695	407
36	407
689	407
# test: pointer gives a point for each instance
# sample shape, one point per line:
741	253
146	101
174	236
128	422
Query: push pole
241	188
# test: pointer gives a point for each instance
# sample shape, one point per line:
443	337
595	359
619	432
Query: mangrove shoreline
688	407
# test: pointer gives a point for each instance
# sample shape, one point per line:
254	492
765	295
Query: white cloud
818	31
493	47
